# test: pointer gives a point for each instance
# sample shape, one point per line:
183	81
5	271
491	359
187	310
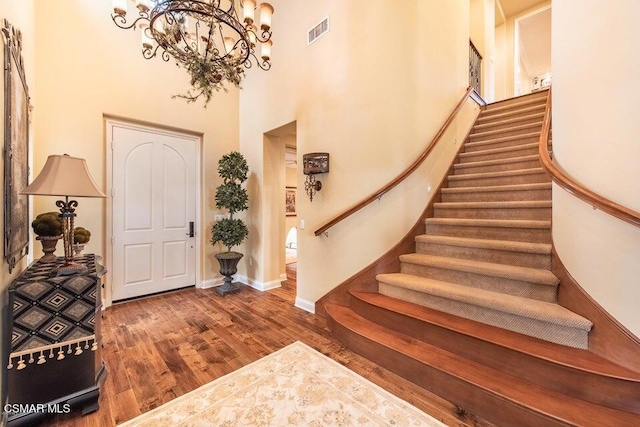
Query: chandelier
205	37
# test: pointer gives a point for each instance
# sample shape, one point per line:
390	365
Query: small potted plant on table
81	236
230	195
48	229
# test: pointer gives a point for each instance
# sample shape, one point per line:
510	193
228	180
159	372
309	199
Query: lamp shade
64	176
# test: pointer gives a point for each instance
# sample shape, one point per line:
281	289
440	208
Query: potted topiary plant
230	231
81	236
48	229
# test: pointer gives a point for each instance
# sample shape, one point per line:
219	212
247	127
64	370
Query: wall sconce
313	163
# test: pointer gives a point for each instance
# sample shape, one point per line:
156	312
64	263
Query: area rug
295	386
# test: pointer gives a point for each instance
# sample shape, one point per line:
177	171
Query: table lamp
69	177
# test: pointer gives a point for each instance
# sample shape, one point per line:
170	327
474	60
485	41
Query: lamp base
70	268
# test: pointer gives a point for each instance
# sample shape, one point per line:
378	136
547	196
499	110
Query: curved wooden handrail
397	180
564	181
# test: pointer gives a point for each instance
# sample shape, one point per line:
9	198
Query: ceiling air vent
319	30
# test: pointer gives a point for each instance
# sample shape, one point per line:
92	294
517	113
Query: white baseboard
261	286
211	283
255	284
306	305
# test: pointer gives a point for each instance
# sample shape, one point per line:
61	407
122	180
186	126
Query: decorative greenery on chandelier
205	37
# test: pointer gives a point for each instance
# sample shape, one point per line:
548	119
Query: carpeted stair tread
522	110
537	125
471	154
505	105
502	245
462	166
511	304
475	144
499	223
491	188
524	274
516	172
510	204
574	358
428	361
507	121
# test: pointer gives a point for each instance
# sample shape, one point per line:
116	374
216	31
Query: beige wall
371	92
595	138
500	63
86	68
20	15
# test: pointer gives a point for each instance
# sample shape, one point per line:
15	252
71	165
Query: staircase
472	315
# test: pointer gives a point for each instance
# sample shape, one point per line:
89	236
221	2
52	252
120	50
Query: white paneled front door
154	211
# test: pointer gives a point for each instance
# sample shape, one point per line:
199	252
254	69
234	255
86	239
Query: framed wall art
290	201
16	148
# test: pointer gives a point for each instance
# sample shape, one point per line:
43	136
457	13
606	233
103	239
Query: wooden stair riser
502	142
508	131
496	196
533	235
526	110
521	259
614	392
505	123
467	396
456	181
531	327
498	397
497	165
531	213
503	285
499	153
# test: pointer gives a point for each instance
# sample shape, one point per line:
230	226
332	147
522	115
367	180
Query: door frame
109	122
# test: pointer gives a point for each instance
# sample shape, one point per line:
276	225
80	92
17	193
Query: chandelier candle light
69	177
208	38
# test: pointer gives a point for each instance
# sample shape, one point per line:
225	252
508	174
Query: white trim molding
306	305
211	283
261	286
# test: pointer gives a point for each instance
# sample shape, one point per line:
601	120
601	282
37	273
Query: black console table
55	364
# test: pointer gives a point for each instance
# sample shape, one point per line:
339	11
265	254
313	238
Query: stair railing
567	183
406	173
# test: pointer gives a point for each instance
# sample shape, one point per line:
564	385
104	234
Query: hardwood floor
159	348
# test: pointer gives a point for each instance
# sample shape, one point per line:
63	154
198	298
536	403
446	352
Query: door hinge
113	192
111	145
113	241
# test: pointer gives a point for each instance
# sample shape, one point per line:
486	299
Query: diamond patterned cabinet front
55	354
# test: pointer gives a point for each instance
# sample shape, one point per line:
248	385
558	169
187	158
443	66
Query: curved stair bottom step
498	397
570	371
558	334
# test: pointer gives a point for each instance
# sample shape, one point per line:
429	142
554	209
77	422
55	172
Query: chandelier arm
263	64
121	20
149	52
264	37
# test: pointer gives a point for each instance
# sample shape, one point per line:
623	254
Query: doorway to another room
281	173
533	51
